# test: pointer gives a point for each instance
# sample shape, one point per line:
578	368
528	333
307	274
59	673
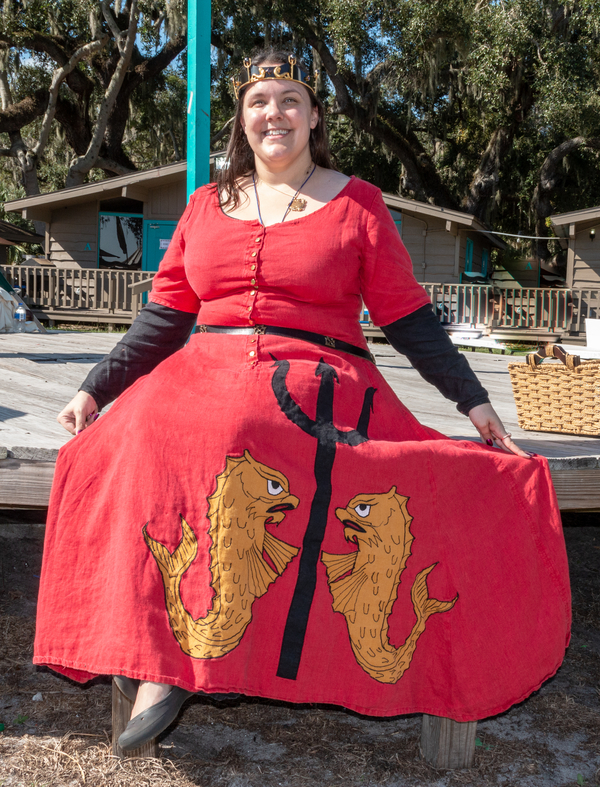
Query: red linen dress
262	515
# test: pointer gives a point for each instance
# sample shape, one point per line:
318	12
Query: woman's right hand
81	412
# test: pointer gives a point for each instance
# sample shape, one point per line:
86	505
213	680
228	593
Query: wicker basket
559	397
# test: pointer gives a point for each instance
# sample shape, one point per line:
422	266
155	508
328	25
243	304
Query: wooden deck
40	373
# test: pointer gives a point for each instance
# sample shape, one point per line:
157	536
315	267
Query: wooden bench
444	743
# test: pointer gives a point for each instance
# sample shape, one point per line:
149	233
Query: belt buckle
201	329
260	329
330	341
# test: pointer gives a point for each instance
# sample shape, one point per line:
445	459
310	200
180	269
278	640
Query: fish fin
177	562
345	591
338	565
260	574
279	552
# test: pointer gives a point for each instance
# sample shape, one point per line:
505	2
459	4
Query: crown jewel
289	70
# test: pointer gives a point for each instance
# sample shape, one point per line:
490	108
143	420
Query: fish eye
274	487
363	510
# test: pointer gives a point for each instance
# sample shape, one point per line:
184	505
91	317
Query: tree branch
112	22
219	43
422	178
13	118
75	125
485	179
548	181
112	166
220	134
155	65
82	165
60	74
5	92
56	49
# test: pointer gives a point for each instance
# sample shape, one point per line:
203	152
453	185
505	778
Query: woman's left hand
485	419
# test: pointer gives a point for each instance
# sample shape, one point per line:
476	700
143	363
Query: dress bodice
308	273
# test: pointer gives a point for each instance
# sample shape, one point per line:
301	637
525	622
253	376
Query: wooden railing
73	289
534	308
471	304
528	309
119	292
585	304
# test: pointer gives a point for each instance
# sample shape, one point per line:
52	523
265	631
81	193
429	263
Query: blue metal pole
198	108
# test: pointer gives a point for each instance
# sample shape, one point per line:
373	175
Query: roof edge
466	220
575	216
97	187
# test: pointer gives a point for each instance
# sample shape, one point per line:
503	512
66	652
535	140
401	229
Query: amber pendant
298	204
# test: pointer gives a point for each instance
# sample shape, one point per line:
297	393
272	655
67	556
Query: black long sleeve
157	333
427	346
160	331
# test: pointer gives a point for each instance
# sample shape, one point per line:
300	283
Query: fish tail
425	606
174	564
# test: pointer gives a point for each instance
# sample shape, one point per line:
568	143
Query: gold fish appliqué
364	584
249	495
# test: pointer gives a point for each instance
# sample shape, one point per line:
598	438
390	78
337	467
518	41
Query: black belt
290	333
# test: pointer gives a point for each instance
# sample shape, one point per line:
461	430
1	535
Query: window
397	217
469	256
120	240
485	260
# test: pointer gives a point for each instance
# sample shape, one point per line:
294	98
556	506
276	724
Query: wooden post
121	713
446	743
198	76
111	293
52	294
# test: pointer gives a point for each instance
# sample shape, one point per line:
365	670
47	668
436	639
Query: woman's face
277	117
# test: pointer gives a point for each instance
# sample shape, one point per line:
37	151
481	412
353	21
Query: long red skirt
280	525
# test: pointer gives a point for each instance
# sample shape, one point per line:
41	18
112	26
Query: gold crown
289	70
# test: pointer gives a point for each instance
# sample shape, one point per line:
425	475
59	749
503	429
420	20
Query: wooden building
581	229
126	223
446	246
132	206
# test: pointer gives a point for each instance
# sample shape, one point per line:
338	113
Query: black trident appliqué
328	438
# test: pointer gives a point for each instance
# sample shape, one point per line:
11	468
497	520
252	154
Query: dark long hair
240	157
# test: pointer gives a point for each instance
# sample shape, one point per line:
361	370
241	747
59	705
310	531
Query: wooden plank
25	483
577	489
121	713
38	376
446	743
91	316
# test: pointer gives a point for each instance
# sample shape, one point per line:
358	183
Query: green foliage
357	154
460	103
156	129
145	126
476	91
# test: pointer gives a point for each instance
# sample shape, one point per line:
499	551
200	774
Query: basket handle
553	351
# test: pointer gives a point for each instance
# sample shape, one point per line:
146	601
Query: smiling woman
278	139
258	513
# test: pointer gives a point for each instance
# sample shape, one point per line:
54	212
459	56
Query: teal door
157	236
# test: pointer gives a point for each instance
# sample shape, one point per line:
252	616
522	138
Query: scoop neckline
284	223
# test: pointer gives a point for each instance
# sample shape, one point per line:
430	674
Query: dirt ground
55	733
